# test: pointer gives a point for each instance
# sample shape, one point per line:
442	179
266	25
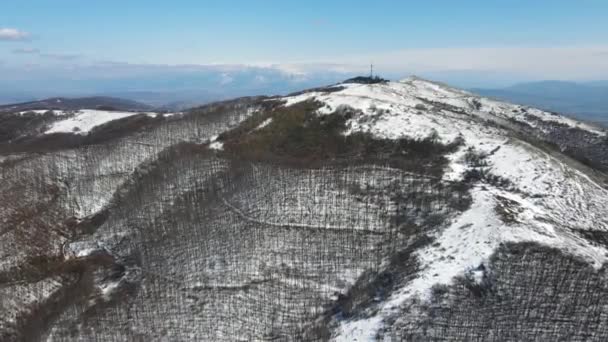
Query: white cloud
465	67
529	63
13	34
574	62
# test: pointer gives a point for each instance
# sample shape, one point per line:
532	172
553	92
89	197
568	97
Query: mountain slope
537	205
395	211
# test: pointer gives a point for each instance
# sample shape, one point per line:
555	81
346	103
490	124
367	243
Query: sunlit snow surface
214	144
43	111
403	108
83	121
547	192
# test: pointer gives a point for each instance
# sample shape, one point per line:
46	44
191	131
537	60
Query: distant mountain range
585	101
158	86
61	103
189	88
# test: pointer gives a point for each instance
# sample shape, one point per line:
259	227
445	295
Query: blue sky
509	38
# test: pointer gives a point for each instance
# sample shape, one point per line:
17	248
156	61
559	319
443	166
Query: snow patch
43	111
218	145
107	289
82	249
87	119
214	144
264	124
476	275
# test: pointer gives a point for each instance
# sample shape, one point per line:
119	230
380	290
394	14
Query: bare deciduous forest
141	231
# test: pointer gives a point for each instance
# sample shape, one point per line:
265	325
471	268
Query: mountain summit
361	211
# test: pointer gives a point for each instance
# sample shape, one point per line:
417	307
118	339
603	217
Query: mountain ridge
352	211
90	102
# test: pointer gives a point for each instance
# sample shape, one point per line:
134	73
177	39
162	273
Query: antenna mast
371	70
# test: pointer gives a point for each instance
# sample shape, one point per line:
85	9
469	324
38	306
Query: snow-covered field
83	121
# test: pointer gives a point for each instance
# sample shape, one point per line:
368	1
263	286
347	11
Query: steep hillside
384	211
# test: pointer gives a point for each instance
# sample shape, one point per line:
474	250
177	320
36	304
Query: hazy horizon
76	48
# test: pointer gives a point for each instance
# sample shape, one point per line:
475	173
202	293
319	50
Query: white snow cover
403	108
214	144
218	145
107	289
82	249
549	198
264	123
85	120
42	111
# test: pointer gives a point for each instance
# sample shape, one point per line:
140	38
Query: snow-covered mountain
367	210
548	200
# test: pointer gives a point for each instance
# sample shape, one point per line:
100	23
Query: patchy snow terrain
546	194
416	108
171	234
